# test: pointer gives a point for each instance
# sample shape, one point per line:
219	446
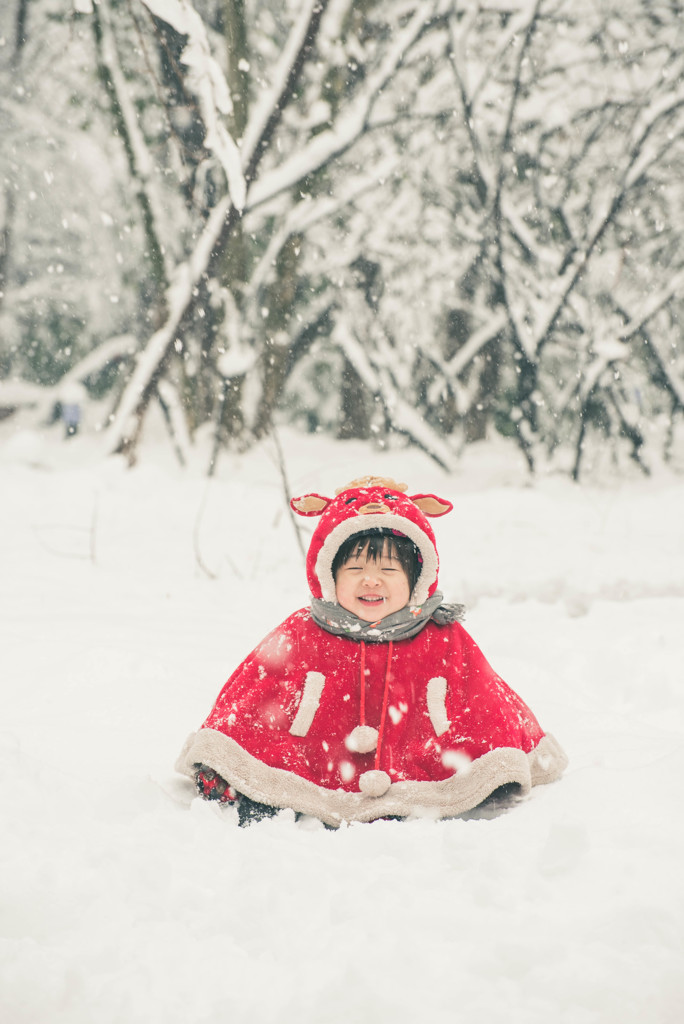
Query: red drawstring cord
363	683
384	706
385	697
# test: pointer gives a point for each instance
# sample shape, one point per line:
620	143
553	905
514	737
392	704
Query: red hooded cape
350	730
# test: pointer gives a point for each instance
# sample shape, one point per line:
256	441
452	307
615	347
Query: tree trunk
479	415
354	407
5	241
20	33
6	232
153	243
279	301
238	64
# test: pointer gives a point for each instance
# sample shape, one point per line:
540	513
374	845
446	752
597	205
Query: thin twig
196	541
286	487
195	533
93	527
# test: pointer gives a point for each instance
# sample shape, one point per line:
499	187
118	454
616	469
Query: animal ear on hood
310	505
430	504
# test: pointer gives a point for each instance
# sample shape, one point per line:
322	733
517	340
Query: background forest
430	219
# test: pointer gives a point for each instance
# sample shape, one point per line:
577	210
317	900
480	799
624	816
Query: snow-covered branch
644	151
653	305
148	362
309	212
350	125
270	104
139	157
20	394
379	381
207	81
484	334
639	158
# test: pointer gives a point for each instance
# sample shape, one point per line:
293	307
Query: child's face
372	589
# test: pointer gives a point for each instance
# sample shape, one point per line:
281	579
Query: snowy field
124	899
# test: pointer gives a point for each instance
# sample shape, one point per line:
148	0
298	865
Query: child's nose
371	578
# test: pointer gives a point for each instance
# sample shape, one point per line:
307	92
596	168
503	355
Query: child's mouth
372	600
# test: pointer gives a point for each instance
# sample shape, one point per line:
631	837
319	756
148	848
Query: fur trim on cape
449	797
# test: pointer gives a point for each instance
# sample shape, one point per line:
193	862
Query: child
373	702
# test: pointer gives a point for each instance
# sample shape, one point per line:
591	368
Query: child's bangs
377	544
375	547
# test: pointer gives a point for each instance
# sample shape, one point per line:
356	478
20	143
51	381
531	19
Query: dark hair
377	542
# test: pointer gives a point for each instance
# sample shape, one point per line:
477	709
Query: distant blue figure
70	408
71	414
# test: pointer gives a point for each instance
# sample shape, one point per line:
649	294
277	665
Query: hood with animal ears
368	503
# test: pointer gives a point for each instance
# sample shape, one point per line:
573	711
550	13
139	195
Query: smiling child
374	701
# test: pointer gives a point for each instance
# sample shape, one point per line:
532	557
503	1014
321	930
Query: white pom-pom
374	783
362	739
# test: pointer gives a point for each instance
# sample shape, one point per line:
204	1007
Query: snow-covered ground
124	899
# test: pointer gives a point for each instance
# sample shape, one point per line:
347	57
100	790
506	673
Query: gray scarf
398	626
